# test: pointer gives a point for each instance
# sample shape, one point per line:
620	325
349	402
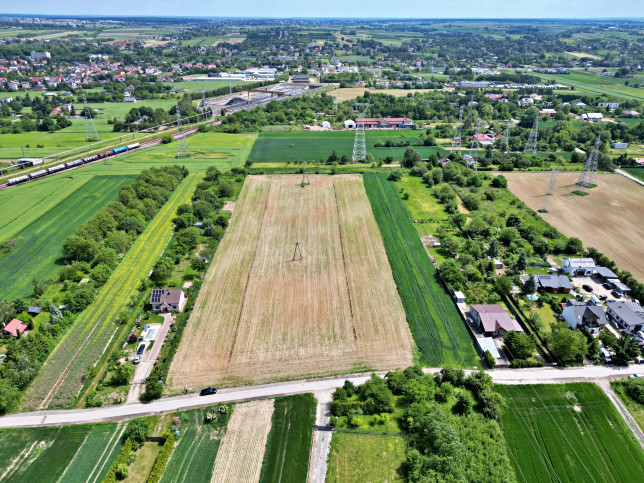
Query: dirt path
321	444
637	432
630	176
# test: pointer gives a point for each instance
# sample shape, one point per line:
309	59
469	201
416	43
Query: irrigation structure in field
589	174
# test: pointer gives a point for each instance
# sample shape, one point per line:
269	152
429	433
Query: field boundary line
250	271
16	463
623	411
344	260
110	446
71	462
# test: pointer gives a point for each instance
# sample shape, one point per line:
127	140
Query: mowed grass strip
315	145
60	379
39	253
289	442
194	456
568	432
437	328
359	458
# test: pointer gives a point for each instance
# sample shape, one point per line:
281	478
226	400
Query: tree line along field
316	145
59	381
59	454
39	252
261	316
438	330
608	219
289	441
568	432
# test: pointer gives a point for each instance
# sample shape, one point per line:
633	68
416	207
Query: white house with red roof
13	328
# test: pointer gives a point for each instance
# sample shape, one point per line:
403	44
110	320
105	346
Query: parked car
607	285
602	297
141	349
635	376
137	359
208	391
616	294
605	355
587	288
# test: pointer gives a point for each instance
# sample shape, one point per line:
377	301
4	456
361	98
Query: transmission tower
531	144
552	180
506	136
90	129
469	107
360	146
459	130
297	254
182	142
589	174
305	178
474	149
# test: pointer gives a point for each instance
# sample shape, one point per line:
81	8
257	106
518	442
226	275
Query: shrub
395	175
635	389
166	138
122	471
162	459
121	459
137	430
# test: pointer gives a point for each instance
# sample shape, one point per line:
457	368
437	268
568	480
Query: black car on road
208	391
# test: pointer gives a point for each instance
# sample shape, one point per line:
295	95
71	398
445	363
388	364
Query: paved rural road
543	375
630	176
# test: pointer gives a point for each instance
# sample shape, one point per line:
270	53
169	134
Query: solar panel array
156	296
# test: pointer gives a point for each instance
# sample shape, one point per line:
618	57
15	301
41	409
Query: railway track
143	145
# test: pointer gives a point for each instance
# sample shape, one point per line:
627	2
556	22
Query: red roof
14	327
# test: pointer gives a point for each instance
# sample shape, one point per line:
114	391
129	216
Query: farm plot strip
40	250
242	448
60	379
437	328
569	432
289	442
295	319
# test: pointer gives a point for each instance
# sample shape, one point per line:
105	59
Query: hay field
241	453
350	93
260	317
608	219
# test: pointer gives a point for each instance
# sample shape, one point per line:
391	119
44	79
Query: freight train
70	164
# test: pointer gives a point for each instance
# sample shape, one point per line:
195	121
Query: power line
90	129
182	142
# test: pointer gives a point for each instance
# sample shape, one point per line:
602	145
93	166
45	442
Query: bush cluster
162	459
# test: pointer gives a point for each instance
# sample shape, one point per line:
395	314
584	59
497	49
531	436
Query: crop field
608	219
40	250
568	432
438	330
262	316
193	459
196	86
65	454
316	145
60	379
289	442
356	458
350	93
241	453
592	83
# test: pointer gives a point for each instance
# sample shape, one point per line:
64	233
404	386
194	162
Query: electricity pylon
359	145
459	131
182	142
552	180
90	129
589	174
475	145
531	144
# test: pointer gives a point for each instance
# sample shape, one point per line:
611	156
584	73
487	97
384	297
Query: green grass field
195	86
60	379
634	408
422	206
568	432
289	442
69	453
316	145
194	456
40	250
637	172
590	82
359	458
435	324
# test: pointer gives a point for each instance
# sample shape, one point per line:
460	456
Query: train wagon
19	179
132	146
122	149
36	162
54	169
71	164
38	174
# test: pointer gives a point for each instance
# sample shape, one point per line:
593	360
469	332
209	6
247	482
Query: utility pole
459	131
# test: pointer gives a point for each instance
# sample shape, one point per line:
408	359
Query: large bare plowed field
241	453
261	317
609	219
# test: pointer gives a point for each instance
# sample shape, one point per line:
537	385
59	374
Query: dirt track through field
241	453
609	219
261	317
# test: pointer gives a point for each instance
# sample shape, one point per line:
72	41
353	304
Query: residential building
38	56
474	84
590	316
167	300
301	79
591	116
609	105
549	112
626	314
13	328
554	283
578	267
493	320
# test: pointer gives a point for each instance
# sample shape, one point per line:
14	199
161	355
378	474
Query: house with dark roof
590	316
626	314
553	283
493	320
13	328
167	300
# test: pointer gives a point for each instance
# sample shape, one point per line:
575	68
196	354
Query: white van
595	301
605	355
